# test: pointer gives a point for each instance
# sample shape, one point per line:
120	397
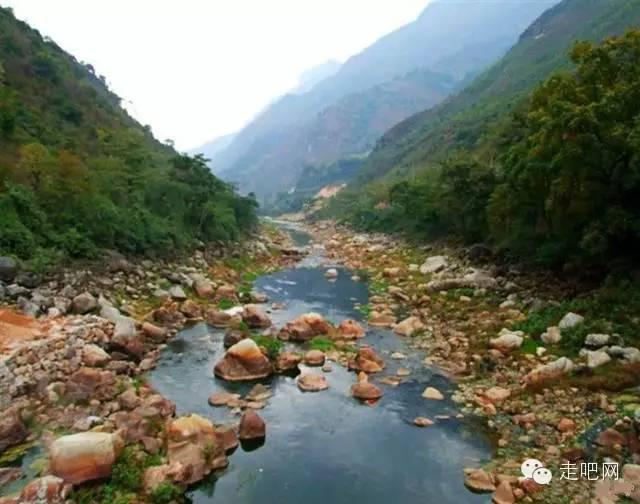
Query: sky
198	69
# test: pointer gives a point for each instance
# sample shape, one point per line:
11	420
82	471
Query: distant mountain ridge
448	38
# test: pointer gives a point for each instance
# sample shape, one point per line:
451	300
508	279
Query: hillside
536	156
211	149
461	121
469	38
77	173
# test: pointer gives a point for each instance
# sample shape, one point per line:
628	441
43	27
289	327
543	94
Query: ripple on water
326	447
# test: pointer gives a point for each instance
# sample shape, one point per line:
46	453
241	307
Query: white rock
551	336
507	340
432	393
631	354
434	264
331	273
597	340
177	293
597	358
570	320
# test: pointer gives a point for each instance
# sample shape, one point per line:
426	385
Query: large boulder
548	372
367	360
154	332
126	337
350	329
306	327
409	326
243	361
252	426
255	317
85	456
193	443
570	320
226	291
84	303
364	390
8	269
203	288
12	430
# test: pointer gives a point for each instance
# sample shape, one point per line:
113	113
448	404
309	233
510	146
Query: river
326	447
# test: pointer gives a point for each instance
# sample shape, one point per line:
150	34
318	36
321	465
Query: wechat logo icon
535	470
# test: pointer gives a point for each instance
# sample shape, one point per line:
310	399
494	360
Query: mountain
461	122
212	148
537	156
450	37
315	75
78	174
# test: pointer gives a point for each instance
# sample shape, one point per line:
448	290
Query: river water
326	447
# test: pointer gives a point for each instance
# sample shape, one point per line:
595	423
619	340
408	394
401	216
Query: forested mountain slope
78	173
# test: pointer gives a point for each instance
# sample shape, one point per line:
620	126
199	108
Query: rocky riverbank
74	349
561	402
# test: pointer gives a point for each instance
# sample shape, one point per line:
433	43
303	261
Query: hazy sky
197	69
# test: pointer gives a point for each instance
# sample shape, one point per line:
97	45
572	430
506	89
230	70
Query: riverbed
326	447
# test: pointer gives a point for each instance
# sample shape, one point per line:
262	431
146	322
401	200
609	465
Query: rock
110	313
391	272
12	430
226	291
434	264
287	361
433	394
507	340
193	443
243	361
94	356
155	476
597	358
364	390
223	399
409	326
228	437
28	279
233	336
129	400
219	318
549	371
631	354
497	395
478	480
84	457
422	421
609	438
259	297
203	288
259	392
177	292
84	303
90	383
126	338
504	494
312	382
45	490
381	319
566	425
350	329
398	356
570	320
597	340
154	332
403	371
331	273
551	336
28	307
305	328
367	360
9	475
255	317
8	269
191	309
252	426
314	358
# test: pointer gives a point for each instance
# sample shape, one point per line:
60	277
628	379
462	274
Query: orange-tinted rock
366	391
12	430
243	361
84	457
45	490
219	318
90	383
287	361
252	426
154	332
350	329
314	358
255	317
367	360
305	328
226	291
203	288
228	437
193	443
191	309
312	382
168	314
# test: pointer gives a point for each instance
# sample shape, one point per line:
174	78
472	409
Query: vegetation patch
272	345
322	343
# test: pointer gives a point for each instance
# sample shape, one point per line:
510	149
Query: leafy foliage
78	174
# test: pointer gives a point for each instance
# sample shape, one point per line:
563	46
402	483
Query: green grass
225	304
365	309
272	345
321	343
166	493
378	287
